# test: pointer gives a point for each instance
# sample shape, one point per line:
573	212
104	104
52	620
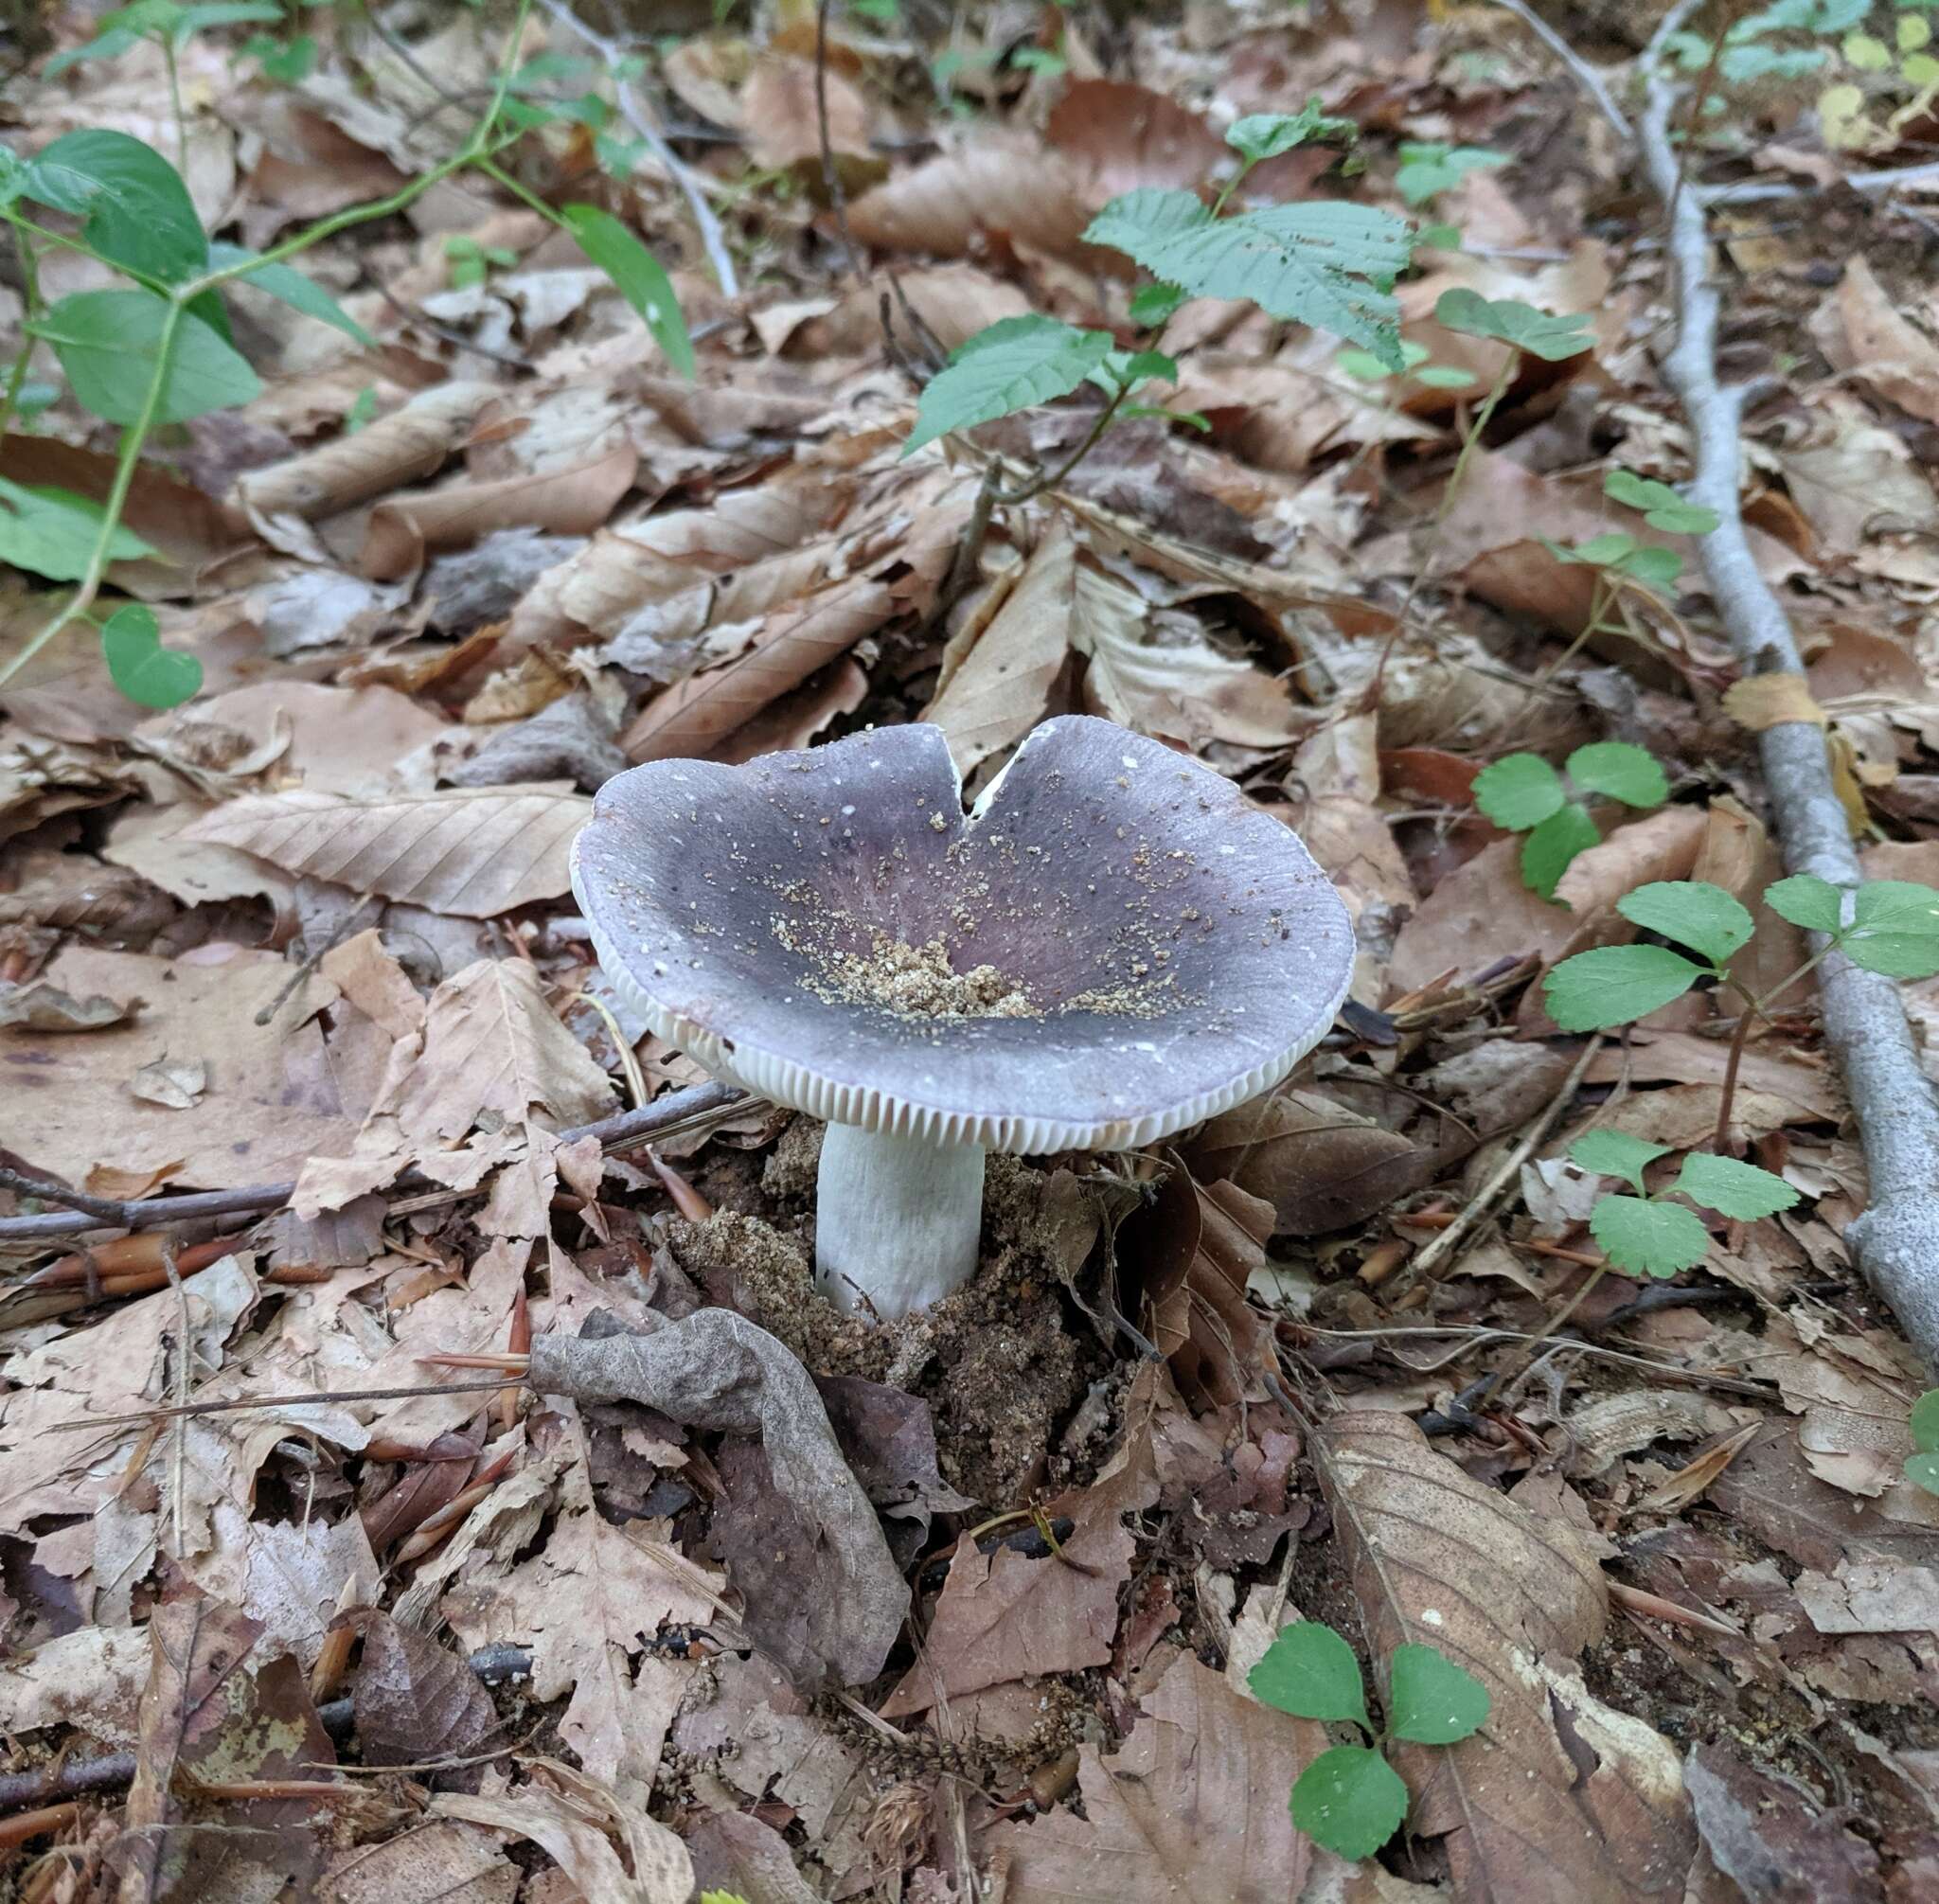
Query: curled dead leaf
1761	701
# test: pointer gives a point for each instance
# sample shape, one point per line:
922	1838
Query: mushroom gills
898	1220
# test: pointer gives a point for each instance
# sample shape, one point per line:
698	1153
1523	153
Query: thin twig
238	1404
1764	192
1585	76
676	1111
831	176
1503	1175
1896	1240
713	240
104	1207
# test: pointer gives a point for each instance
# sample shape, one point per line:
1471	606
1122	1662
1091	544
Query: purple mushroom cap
1115	944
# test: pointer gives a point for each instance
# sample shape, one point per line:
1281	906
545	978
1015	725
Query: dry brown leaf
1806	1084
40	1006
1693	1480
1854	480
1875	341
440	1859
1761	701
783	122
1192	1805
408	444
474	852
1012	189
955	300
692	717
1126	136
799	715
571	502
1558	1797
175	1083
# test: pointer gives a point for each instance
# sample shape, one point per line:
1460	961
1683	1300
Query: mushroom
1113	945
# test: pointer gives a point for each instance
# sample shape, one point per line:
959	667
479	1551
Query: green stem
65	242
30	306
1474	433
1753	1008
1231	186
179	296
1050	479
176	100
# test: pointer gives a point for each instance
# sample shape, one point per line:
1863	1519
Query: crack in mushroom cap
1155	949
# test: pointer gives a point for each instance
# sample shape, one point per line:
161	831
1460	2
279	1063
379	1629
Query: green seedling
1349	1799
1524	794
1649	1236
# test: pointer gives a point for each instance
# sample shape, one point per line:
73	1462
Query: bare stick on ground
1896	1240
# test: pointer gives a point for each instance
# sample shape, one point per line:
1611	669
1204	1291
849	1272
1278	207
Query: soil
1001	1361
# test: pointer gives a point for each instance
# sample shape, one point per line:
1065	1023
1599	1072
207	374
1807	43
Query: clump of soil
909	981
996	1362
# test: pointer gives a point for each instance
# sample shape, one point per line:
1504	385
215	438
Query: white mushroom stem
898	1220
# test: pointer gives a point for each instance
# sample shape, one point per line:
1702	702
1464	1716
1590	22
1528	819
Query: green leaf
638	276
108	45
1895	929
142	668
1127	369
1619	772
286	65
1350	1799
1429	169
1659	568
1609	550
135	210
1641	1237
1514	323
1321	261
1520	791
1732	1188
1444	377
1430	1699
1924	1422
1615	1153
1692	912
109	343
201	18
1265	136
1006	367
1922	1470
1807	900
362	410
1663	508
1310	1671
1551	848
52	532
1151	304
1615	985
1801	16
1740	63
1438	238
290	286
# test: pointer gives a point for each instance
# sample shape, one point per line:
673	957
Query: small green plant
1350	1799
1649	1235
1364	367
162	350
1427	170
1922	1464
467	263
1523	793
1325	262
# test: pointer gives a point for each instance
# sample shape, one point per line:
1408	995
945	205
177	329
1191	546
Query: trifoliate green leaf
1615	985
1006	367
1430	1699
1518	792
1895	929
1550	850
1692	912
1513	322
1807	900
1619	772
1645	1239
1663	507
1732	1188
1350	1799
1310	1671
1615	1153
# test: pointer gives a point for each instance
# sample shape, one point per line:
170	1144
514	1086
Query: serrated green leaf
1807	900
1350	1799
142	668
1732	1188
1511	320
1519	791
1151	304
1663	507
1895	929
1430	1699
1265	136
134	208
109	344
1550	850
290	286
1310	1671
1615	985
1619	772
1692	912
1321	261
1615	1153
52	532
1924	1422
1004	369
1922	1470
638	276
1645	1239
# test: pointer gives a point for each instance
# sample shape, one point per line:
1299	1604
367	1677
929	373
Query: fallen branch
677	1111
1896	1240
